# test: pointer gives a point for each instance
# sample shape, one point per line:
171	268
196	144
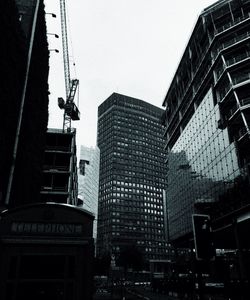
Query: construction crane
71	111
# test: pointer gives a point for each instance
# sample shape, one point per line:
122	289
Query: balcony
228	25
54	189
244	104
56	169
237	59
241	134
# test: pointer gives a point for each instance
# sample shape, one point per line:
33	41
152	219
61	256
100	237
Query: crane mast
71	111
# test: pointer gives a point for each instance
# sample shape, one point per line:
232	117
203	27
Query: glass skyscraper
207	121
132	177
88	180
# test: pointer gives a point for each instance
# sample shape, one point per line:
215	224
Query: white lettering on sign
41	228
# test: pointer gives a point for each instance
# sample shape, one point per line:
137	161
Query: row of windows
134	121
152	243
136	155
114	116
124	184
136	222
154	175
134	217
144	141
139	171
126	117
147	116
135	201
151	234
132	155
140	189
152	229
156	135
156	250
145	181
115	197
104	207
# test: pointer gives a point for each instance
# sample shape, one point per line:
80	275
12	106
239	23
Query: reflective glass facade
88	180
207	120
202	165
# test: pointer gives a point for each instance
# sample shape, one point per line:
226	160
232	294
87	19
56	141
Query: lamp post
53	15
56	50
54	34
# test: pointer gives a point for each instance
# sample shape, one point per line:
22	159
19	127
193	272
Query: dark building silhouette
207	122
132	177
22	28
46	249
46	252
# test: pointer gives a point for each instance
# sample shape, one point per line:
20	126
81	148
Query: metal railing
232	111
56	168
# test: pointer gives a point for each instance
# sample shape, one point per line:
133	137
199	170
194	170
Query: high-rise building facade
24	100
88	180
132	177
207	121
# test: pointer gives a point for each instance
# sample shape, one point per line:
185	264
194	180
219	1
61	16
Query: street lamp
56	50
54	34
53	15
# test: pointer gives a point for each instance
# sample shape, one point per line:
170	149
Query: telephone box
46	252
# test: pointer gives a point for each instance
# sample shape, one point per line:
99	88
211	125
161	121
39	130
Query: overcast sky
131	47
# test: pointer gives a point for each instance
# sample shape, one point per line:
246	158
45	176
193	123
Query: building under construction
207	133
207	120
35	165
59	182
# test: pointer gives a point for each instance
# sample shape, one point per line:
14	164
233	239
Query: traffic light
203	237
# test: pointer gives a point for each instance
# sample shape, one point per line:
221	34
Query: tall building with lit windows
207	122
132	177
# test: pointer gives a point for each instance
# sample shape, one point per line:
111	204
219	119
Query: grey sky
131	47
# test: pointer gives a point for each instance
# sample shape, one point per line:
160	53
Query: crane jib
71	111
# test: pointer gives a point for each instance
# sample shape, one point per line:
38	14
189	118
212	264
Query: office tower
207	121
88	180
24	108
59	180
132	177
